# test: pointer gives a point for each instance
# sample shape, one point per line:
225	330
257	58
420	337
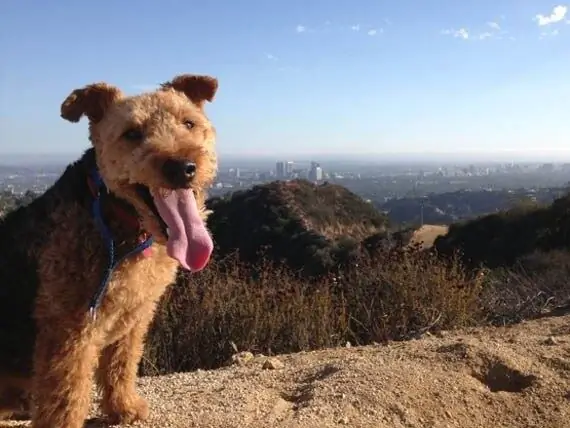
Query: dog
83	266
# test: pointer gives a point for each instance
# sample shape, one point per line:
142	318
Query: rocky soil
487	377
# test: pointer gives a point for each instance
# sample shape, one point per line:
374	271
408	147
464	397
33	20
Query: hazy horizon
10	159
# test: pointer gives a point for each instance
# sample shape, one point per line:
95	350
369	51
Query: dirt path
427	234
504	377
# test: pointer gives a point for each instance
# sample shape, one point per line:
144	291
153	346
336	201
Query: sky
302	77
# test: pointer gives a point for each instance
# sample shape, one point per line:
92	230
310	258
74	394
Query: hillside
515	377
449	207
295	221
504	238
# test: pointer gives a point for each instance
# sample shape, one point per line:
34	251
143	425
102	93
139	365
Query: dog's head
156	150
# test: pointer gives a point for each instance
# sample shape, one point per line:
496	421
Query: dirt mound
495	377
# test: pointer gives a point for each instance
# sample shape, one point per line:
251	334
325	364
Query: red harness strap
128	220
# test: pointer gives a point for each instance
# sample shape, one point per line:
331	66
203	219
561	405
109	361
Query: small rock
348	345
273	364
551	341
242	358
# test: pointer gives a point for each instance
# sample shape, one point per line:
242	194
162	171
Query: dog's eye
133	135
189	124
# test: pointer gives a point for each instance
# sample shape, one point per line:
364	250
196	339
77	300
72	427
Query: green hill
310	227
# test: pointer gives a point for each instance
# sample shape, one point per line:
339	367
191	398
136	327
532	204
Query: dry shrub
535	285
408	293
269	309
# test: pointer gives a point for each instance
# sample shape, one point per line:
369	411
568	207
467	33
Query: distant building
284	169
280	169
316	172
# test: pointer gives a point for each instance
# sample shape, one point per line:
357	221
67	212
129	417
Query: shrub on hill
501	239
309	227
535	285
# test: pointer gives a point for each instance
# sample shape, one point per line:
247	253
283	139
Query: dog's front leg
117	376
64	360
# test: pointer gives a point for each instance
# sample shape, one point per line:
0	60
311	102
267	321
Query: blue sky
301	77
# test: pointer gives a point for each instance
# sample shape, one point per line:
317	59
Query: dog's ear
197	88
91	101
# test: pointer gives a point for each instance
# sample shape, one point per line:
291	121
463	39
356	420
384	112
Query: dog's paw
127	412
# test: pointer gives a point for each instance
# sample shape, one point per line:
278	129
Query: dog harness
98	187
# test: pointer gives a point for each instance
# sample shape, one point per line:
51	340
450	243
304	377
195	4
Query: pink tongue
188	242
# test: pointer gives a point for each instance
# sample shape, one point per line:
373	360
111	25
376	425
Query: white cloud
271	57
558	14
355	27
300	29
372	32
494	31
462	33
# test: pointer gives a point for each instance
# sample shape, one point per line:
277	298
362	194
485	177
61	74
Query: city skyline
17	158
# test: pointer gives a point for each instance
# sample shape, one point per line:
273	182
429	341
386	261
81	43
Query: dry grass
537	284
397	295
393	295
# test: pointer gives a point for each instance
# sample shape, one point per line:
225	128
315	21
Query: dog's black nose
179	173
190	169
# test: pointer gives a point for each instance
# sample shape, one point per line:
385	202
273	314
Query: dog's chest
134	289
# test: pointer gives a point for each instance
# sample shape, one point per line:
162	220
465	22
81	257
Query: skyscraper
284	169
280	169
316	172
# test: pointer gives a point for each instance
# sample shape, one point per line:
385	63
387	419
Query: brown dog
83	266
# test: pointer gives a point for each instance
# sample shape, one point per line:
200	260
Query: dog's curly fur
52	256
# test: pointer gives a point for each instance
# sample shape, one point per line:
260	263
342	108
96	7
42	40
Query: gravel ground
493	377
